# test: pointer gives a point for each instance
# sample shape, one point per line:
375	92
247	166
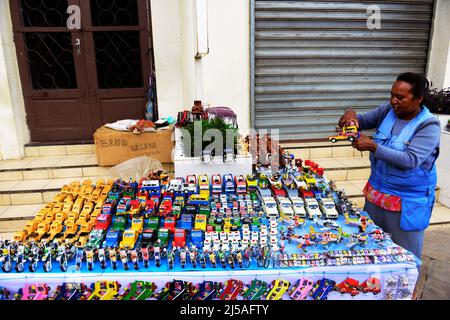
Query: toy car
255	291
120	223
228	183
371	285
328	208
37	291
197	238
278	288
312	208
112	238
103	221
203	184
179	238
252	183
163	235
301	289
104	290
186	221
149	208
200	222
129	239
96	237
137	223
139	290
136	207
152	223
231	289
347	133
109	207
299	207
322	288
176	290
216	182
123	206
207	290
241	185
270	207
349	285
148	237
69	291
170	224
285	208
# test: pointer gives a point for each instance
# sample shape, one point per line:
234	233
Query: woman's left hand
364	143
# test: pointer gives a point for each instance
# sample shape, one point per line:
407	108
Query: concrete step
55	167
54	150
308	150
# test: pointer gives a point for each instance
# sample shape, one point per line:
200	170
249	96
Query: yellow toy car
105	290
309	179
78	205
20	236
70	231
49	217
88	207
73	216
57	207
31	226
129	239
61	216
40	216
350	133
59	197
279	287
200	222
55	228
42	228
137	224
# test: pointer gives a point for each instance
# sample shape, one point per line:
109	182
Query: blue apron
415	187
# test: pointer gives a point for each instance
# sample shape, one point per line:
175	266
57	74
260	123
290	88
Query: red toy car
241	185
179	238
371	285
232	289
170	223
165	208
216	183
305	193
278	192
349	285
103	221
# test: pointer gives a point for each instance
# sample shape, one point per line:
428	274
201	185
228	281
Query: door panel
74	81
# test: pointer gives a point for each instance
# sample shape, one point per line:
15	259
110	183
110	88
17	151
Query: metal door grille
314	59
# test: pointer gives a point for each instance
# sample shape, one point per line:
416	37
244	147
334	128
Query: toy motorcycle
79	259
202	259
89	258
61	257
33	257
170	258
124	258
6	257
247	257
102	258
112	253
145	256
134	259
193	257
212	259
239	258
183	258
47	257
157	255
19	258
230	259
222	258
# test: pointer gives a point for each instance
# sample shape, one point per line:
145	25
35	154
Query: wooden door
74	81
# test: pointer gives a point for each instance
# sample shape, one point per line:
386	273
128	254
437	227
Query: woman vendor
400	192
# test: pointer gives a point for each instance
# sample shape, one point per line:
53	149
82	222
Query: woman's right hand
349	118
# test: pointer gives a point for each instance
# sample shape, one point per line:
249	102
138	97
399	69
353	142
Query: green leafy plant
438	101
215	123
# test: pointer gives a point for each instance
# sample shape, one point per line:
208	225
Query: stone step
54	150
55	167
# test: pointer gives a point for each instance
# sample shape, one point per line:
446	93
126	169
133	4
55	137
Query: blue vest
416	187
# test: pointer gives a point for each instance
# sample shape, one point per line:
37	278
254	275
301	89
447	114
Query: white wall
220	78
439	58
13	129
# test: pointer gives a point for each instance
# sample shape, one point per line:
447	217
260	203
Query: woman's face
405	105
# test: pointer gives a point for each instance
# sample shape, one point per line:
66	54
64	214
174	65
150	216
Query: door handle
77	46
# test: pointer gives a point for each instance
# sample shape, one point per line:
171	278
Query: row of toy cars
232	289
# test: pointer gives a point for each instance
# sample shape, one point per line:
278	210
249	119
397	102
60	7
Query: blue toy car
112	238
322	288
109	207
228	183
186	222
197	238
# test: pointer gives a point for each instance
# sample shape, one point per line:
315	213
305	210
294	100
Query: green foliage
215	123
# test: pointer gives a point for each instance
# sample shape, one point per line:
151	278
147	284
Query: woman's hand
364	143
348	119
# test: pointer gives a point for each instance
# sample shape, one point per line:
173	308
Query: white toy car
299	207
285	208
270	207
328	208
312	208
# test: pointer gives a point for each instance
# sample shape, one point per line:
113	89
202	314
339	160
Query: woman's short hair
419	83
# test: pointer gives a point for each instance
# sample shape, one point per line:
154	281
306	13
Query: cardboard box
113	147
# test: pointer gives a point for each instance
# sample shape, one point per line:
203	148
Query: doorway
76	80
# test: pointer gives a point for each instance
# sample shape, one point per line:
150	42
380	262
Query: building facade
277	64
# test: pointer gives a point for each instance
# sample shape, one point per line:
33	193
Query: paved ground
434	280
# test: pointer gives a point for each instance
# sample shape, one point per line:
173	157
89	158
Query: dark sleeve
423	143
372	119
